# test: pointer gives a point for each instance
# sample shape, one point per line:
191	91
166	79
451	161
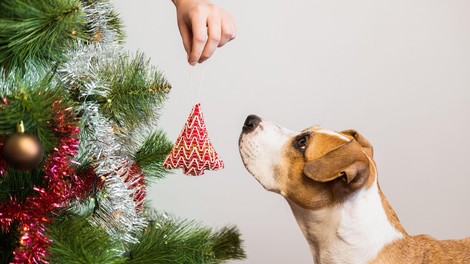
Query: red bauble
193	151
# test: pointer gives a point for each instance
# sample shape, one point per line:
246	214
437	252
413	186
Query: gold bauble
23	151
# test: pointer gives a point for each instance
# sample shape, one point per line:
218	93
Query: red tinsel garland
136	179
62	184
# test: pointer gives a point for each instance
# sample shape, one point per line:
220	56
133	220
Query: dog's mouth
249	150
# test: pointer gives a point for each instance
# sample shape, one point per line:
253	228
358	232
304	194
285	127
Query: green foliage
136	89
164	241
39	31
8	242
152	153
77	241
19	184
227	244
175	241
113	20
35	38
30	99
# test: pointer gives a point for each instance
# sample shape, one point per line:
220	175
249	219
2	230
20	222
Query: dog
329	180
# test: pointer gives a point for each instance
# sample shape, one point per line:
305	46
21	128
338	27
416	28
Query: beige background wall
398	71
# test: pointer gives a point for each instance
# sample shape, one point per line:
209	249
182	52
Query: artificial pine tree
69	93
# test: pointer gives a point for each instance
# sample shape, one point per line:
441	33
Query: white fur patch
261	152
365	226
333	133
353	232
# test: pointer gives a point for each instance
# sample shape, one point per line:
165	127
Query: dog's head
314	168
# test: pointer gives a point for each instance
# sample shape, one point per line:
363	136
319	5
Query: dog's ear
361	140
347	162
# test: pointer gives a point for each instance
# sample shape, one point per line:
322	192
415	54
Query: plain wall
398	71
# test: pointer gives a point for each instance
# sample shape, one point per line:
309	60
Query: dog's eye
301	142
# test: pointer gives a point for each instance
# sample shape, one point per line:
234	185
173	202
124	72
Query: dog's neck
351	232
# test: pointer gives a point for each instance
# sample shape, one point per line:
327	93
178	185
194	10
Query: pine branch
137	89
152	153
38	31
175	241
226	244
76	241
30	100
110	16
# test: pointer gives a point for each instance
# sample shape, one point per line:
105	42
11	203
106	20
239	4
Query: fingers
203	28
228	31
220	30
199	30
214	30
186	35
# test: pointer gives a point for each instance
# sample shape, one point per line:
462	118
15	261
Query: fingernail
193	63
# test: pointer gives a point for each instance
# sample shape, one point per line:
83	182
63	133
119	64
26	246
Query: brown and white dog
330	181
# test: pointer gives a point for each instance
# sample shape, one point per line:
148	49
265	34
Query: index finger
185	33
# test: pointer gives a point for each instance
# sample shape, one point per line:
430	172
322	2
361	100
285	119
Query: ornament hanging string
196	92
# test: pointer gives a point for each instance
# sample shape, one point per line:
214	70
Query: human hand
203	27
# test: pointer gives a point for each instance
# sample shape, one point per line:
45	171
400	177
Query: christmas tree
79	144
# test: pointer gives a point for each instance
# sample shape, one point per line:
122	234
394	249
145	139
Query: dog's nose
251	122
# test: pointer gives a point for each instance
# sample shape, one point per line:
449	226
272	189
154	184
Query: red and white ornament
193	151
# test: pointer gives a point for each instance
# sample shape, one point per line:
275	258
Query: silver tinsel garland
117	212
111	156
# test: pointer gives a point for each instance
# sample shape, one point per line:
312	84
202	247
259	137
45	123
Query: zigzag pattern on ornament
195	135
193	151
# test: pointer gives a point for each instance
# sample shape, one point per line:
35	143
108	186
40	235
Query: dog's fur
330	181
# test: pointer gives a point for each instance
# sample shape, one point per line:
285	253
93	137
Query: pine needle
135	93
172	241
152	153
38	31
78	242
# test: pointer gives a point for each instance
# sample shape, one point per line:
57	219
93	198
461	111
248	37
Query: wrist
177	2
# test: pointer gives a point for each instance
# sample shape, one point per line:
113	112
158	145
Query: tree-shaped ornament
193	151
